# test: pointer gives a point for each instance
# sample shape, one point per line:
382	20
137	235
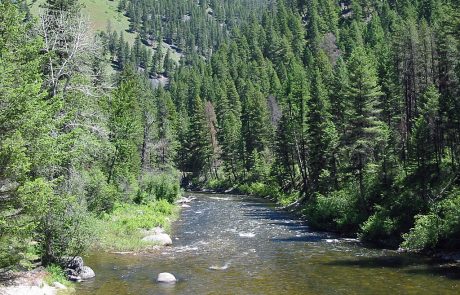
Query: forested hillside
84	150
348	111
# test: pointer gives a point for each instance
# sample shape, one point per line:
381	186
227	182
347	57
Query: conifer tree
364	124
322	137
255	128
198	145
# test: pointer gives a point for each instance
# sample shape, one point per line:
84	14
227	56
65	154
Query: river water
226	244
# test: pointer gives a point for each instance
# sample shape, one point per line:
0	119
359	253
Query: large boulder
75	264
87	273
166	277
161	239
76	270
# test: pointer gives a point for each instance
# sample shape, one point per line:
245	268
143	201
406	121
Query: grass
122	229
100	13
56	274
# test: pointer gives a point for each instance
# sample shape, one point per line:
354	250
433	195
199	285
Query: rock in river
160	239
166	277
87	273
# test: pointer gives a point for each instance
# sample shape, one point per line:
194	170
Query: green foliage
260	189
121	230
56	274
100	195
337	211
354	117
378	227
163	186
438	228
59	223
425	234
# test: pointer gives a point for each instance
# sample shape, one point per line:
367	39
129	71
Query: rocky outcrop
166	277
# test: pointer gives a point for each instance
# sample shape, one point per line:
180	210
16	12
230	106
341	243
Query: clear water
225	244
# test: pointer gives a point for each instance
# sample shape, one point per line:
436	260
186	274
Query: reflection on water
235	245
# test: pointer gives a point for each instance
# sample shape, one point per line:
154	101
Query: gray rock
87	273
73	263
166	277
58	285
74	278
160	239
152	231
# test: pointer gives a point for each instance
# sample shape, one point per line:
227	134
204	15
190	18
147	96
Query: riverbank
233	244
123	231
126	227
35	282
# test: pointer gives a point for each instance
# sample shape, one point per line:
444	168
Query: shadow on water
449	271
304	239
411	264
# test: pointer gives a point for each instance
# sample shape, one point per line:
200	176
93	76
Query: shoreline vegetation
121	232
124	228
347	111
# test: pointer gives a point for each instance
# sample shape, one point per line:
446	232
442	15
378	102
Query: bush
439	228
101	196
378	227
338	211
216	184
425	233
55	274
260	189
158	187
59	223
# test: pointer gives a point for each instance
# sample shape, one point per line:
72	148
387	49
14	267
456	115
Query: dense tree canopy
346	110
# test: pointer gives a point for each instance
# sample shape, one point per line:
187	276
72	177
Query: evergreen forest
346	111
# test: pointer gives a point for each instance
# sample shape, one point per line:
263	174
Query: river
226	244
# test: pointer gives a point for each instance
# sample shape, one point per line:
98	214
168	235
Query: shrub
425	233
337	211
216	184
158	187
55	274
121	229
440	227
101	196
378	227
59	223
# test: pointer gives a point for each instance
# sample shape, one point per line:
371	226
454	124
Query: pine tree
126	130
255	124
322	137
426	137
25	128
198	145
364	124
